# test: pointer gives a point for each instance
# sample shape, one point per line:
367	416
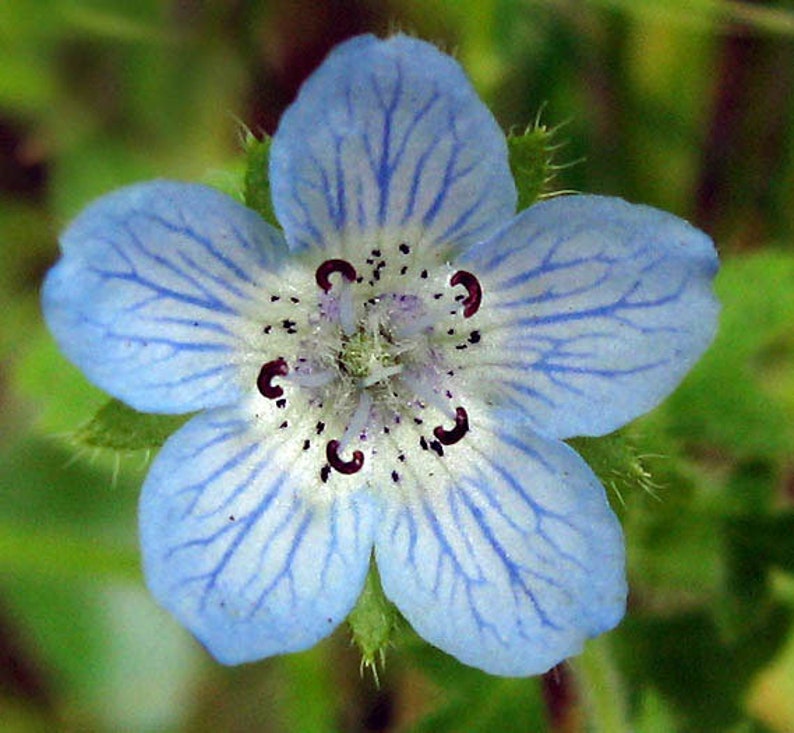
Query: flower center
376	358
369	357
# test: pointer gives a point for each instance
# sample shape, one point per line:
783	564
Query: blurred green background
682	104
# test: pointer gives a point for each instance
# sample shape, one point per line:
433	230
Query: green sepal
257	178
614	459
373	622
531	162
118	427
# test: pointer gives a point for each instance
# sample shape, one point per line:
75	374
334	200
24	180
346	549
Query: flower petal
508	557
389	135
236	545
593	311
151	293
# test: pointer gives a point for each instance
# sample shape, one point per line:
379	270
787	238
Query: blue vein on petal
384	170
244	524
539	512
517	574
213	303
384	166
408	521
206	243
548	266
177	348
159	292
331	550
450	176
285	572
193	323
230	464
514	571
609	311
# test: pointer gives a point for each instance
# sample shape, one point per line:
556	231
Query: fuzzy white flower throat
372	353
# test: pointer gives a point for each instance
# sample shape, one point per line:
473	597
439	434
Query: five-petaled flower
394	372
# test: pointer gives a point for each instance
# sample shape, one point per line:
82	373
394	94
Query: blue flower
394	372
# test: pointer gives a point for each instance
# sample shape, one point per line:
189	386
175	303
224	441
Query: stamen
347	310
276	368
327	268
449	437
346	467
416	325
471	303
379	375
312	379
427	394
359	420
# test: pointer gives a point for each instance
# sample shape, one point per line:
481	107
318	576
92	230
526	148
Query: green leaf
601	687
768	540
686	658
740	396
115	25
257	181
46	552
675	554
707	13
498	704
476	702
531	162
118	427
311	698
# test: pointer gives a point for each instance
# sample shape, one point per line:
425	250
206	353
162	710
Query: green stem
601	688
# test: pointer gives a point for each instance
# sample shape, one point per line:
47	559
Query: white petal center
373	347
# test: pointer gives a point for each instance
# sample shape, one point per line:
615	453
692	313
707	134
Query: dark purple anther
471	303
449	437
264	382
346	467
329	267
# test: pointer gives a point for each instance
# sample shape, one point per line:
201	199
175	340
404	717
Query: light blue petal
236	546
154	285
592	311
389	135
510	558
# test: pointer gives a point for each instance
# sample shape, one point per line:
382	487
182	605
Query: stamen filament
427	394
312	379
417	326
359	420
347	310
380	375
